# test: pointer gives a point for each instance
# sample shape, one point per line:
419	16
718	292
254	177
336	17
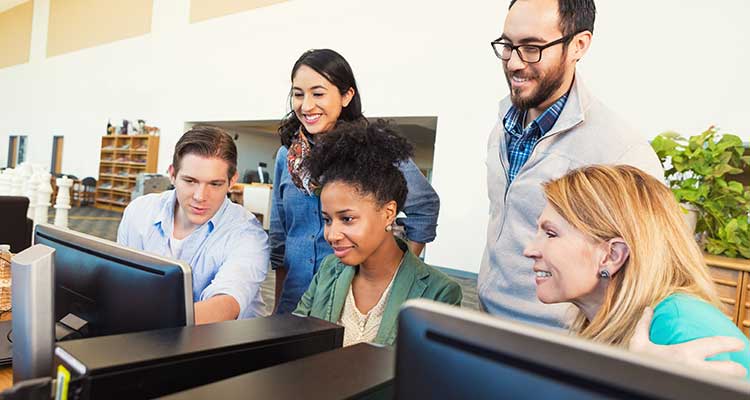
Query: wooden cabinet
123	157
732	279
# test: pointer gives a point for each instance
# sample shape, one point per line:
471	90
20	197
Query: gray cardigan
585	133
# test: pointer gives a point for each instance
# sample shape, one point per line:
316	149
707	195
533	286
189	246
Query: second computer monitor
451	353
114	289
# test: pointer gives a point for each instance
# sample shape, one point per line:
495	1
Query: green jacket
327	293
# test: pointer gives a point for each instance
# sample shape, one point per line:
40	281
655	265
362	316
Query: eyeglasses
528	53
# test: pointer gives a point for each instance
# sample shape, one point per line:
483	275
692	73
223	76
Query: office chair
15	228
257	200
83	191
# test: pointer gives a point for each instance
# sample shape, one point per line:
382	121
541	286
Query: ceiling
419	130
8	4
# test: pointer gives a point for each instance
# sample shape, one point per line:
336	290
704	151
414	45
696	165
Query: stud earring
604	274
388	228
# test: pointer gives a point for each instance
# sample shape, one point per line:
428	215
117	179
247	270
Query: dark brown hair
575	15
332	66
208	142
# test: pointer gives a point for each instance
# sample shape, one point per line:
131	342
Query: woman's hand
692	353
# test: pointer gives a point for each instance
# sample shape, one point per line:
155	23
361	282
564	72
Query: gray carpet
104	223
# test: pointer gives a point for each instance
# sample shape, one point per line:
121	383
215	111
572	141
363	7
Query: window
16	150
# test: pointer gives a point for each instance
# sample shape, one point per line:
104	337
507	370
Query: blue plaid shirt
521	141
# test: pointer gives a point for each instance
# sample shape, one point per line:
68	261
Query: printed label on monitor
63	378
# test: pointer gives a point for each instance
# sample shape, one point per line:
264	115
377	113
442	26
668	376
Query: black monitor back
158	362
116	289
451	353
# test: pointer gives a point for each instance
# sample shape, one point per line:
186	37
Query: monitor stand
71	326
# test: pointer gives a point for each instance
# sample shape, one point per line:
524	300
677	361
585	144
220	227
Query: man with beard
549	125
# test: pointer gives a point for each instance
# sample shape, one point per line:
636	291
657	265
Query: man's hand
218	308
692	353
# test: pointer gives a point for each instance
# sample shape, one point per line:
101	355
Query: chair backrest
88	181
257	200
15	228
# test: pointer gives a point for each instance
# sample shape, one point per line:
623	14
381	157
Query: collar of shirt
165	218
513	120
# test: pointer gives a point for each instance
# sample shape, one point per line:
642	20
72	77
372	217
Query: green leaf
688	195
709	159
663	146
736	187
728	141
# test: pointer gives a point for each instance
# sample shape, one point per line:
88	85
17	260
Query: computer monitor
114	289
450	353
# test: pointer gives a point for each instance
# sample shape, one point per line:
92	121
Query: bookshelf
122	158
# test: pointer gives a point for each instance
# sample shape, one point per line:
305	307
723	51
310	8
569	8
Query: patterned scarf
298	151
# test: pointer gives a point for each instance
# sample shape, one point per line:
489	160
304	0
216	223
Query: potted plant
699	171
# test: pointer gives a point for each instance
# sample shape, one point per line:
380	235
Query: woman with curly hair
370	273
612	241
323	93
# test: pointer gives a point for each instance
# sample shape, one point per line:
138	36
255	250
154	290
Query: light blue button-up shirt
229	254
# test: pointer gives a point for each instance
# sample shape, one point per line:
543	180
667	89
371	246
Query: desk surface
6	374
351	372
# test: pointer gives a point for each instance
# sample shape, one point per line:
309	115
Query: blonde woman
612	241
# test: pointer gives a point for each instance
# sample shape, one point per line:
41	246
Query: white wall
664	65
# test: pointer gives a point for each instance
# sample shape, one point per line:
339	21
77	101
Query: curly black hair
365	156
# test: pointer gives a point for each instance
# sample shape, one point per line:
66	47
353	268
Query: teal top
680	318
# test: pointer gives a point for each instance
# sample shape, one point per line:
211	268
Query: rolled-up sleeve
277	226
243	270
132	221
422	205
122	229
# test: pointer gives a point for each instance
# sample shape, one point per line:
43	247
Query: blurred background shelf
123	157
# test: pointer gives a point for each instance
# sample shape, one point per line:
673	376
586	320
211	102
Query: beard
547	84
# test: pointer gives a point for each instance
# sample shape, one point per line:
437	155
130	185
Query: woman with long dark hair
324	92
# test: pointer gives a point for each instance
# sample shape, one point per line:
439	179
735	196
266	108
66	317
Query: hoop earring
604	274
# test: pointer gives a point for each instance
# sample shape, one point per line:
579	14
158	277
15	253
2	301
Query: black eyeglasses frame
513	48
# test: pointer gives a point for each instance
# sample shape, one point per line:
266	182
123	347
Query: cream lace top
360	327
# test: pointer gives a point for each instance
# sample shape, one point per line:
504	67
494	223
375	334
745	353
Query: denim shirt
297	229
228	254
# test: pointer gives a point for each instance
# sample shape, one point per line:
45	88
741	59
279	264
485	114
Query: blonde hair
606	202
